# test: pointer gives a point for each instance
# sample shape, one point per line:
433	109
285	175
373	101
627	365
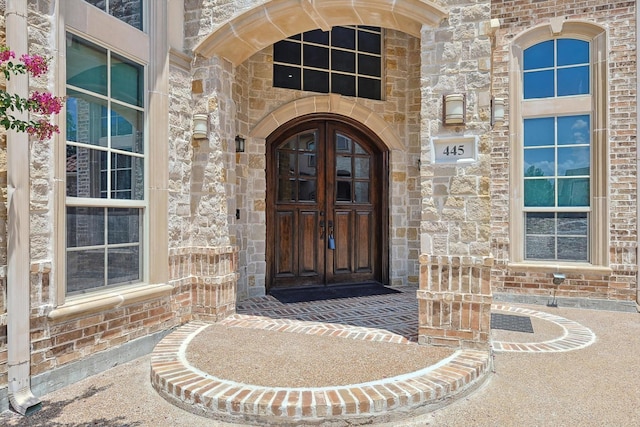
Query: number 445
453	150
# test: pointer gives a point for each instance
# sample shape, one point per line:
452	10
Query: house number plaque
454	150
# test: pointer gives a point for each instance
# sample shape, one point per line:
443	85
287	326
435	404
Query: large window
345	60
557	154
105	167
129	11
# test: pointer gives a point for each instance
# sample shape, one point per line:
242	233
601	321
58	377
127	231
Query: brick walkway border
203	394
575	335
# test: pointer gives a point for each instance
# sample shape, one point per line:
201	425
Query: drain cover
510	322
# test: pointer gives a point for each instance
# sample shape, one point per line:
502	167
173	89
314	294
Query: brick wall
619	20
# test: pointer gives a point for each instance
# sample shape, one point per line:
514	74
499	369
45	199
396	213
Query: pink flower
46	103
42	129
6	54
35	64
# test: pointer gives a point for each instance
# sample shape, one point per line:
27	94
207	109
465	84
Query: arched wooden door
326	205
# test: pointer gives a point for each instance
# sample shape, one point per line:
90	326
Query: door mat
510	322
290	296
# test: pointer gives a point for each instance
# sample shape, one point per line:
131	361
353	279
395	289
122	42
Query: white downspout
18	258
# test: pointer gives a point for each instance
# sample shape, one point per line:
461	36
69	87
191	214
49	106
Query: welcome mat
290	296
511	322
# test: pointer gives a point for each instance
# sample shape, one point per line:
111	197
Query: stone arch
242	36
328	104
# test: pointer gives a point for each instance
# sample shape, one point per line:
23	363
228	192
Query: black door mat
510	322
290	296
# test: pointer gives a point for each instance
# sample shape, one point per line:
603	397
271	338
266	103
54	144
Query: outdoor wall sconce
497	111
239	144
454	109
558	278
200	126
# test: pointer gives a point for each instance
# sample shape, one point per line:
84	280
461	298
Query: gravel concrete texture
594	386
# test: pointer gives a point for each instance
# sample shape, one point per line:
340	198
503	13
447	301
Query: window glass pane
127	126
86	119
286	190
307	190
316	81
539	56
127	82
124	265
362	167
571	51
343	191
343	166
307	166
369	42
315	56
362	192
539	132
539	162
86	65
343	37
538	84
573	192
540	247
85	172
573	223
123	225
287	77
573	81
369	65
85	226
286	163
343	61
540	223
85	270
129	11
343	84
369	88
574	130
539	193
358	149
343	143
127	177
317	36
288	52
573	249
573	161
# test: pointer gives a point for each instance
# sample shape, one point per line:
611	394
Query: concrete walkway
578	368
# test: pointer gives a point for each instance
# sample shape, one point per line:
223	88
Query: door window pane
362	167
307	190
362	192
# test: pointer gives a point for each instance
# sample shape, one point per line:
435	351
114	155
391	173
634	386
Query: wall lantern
497	111
239	144
200	126
454	109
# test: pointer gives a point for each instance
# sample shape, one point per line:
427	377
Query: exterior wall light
497	111
200	126
454	109
239	144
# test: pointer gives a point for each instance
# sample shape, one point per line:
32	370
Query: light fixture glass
497	111
200	126
239	144
454	109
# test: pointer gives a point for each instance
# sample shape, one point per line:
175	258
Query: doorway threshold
323	293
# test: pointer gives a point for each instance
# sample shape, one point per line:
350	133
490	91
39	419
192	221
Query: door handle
322	230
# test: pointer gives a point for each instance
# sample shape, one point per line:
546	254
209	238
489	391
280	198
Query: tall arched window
559	146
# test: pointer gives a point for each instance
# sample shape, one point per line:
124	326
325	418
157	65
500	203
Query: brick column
214	288
454	301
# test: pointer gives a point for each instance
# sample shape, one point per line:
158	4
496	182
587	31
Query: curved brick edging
203	394
575	335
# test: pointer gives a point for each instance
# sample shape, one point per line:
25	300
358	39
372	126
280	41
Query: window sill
84	305
560	267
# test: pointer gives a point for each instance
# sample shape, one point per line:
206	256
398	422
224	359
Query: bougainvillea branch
42	103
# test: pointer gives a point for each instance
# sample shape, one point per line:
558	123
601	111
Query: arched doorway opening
327	204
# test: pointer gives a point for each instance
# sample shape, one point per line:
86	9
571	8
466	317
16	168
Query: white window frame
594	104
92	24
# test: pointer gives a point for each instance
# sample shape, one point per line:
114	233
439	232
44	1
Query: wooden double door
326	205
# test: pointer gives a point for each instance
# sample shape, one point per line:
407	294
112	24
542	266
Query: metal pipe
18	258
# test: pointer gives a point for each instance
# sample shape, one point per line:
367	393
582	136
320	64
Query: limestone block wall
619	20
455	291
